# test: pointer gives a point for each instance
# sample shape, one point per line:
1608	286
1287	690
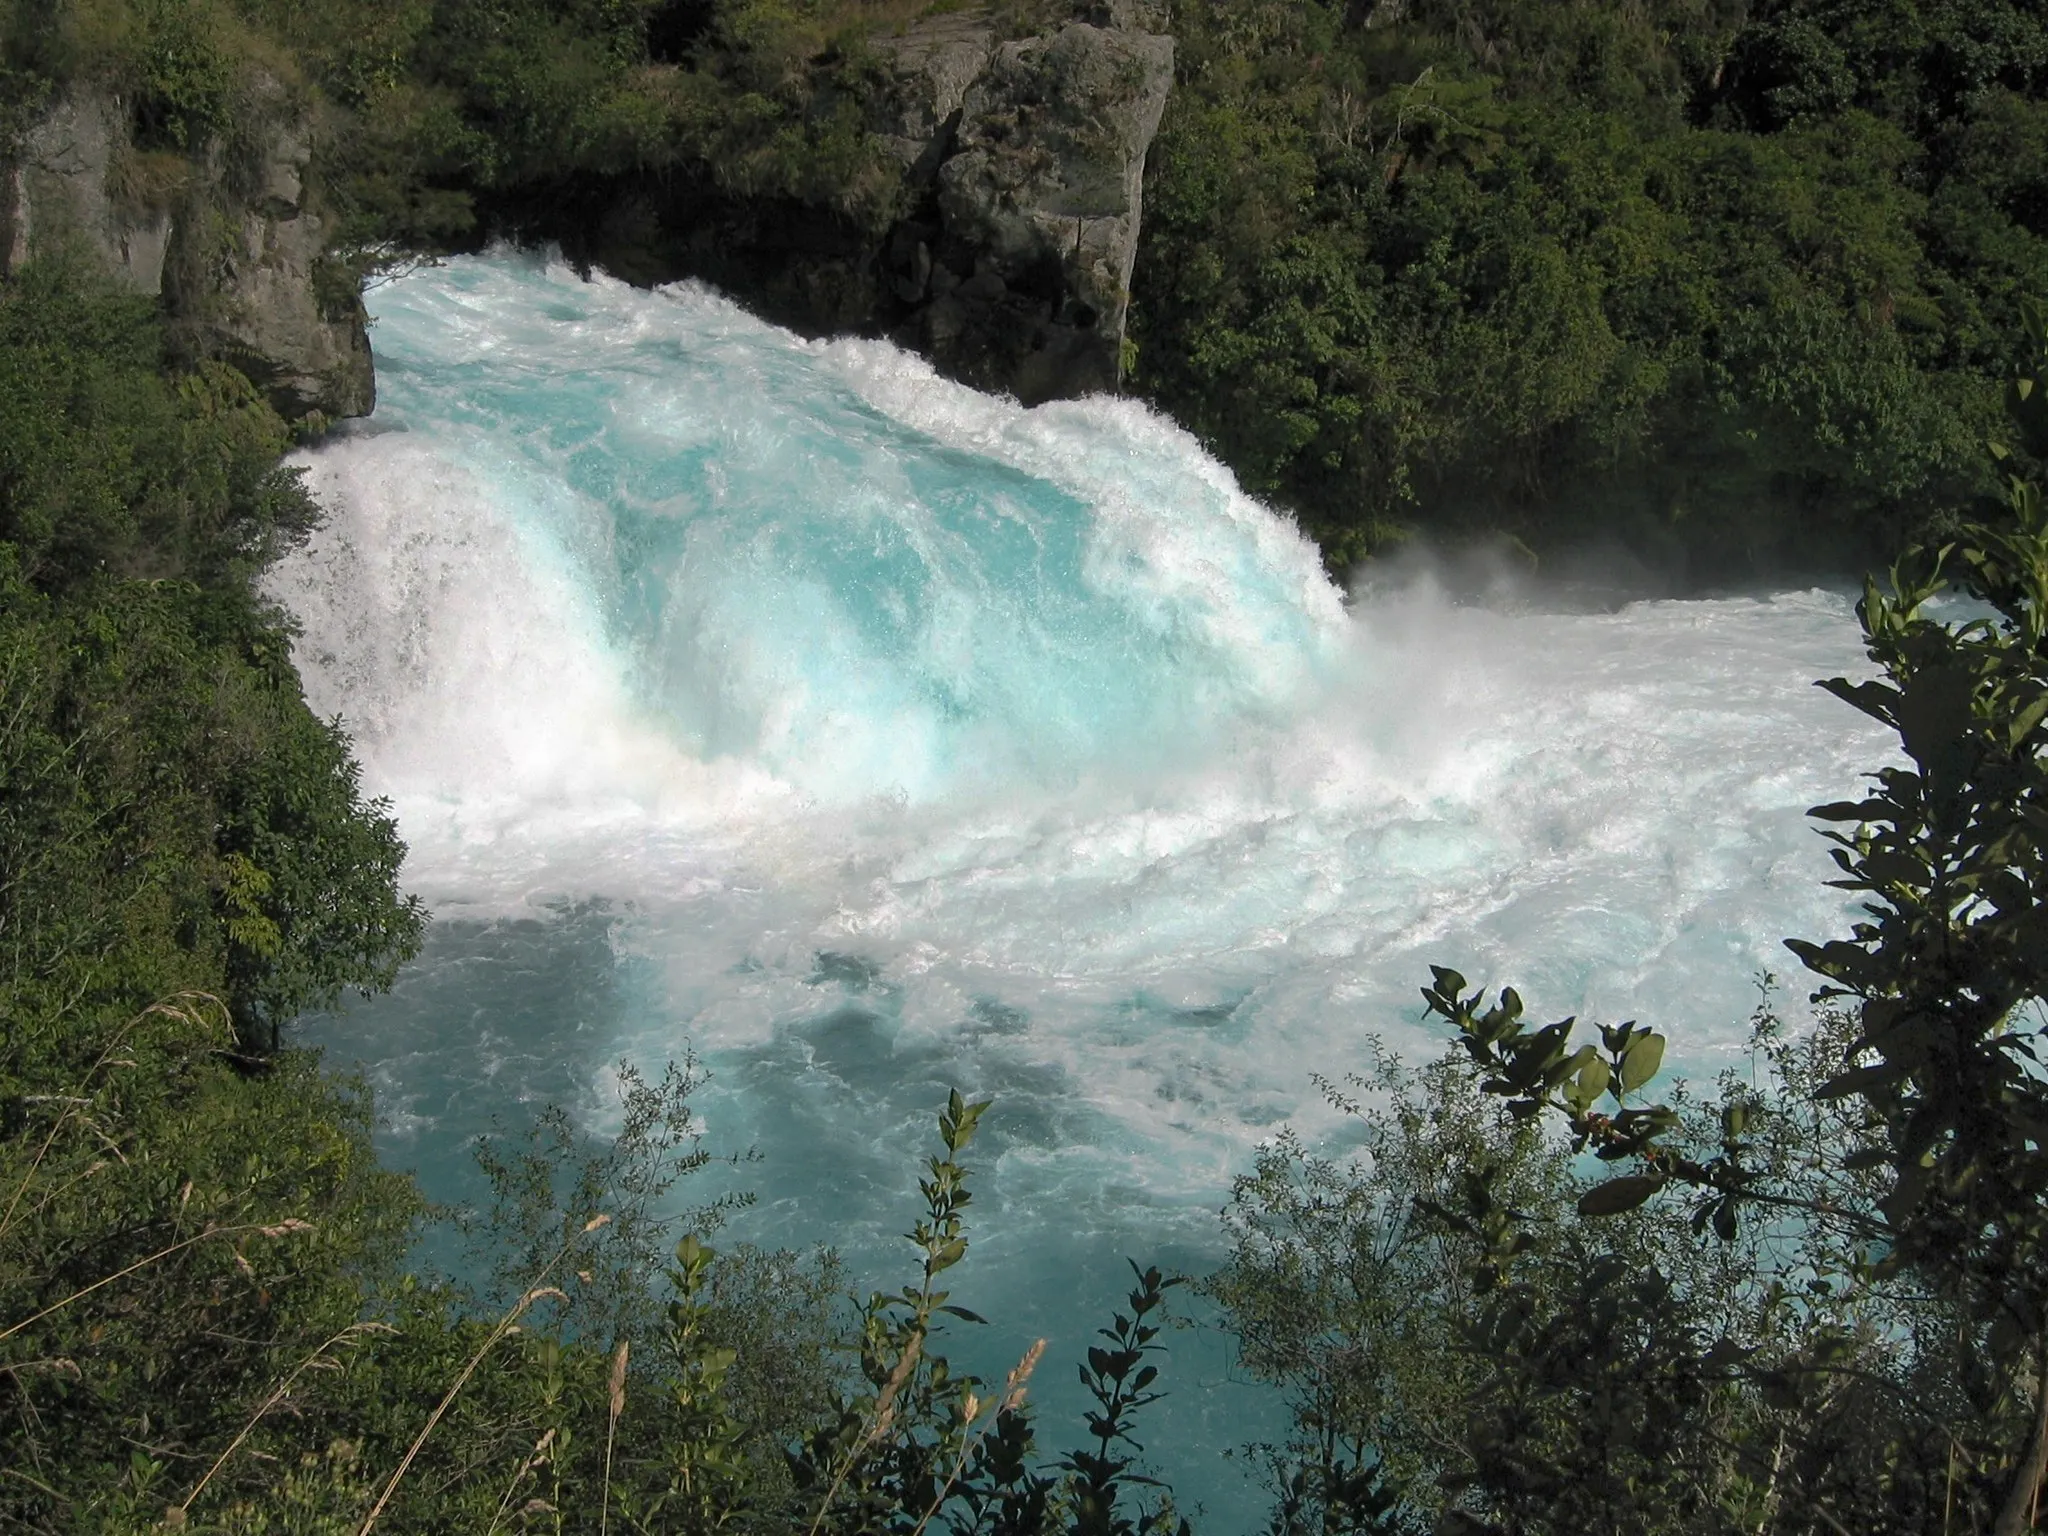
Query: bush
1549	268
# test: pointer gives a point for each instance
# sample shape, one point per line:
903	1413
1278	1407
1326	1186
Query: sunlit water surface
872	737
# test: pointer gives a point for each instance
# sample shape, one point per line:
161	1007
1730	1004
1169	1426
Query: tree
1941	1137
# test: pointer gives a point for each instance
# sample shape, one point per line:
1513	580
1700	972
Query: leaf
1850	810
1445	998
1873	699
1837	959
1619	1195
1639	1063
1881	868
1724	1221
1727	1353
2025	721
1592	1082
1858	1080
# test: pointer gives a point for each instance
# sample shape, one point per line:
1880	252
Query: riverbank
1732	297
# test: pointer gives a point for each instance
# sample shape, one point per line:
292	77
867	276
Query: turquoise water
873	737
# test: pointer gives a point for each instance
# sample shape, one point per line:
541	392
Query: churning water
872	736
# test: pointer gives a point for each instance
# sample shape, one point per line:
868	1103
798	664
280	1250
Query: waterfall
781	700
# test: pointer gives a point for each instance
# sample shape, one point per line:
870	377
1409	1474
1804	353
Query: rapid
781	701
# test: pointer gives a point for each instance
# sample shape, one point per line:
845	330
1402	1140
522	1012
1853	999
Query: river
781	701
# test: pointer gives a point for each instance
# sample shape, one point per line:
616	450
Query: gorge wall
1022	165
1007	260
232	238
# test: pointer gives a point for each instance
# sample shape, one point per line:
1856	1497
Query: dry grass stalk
190	1008
970	1408
1020	1378
276	1229
506	1324
878	1426
617	1406
278	1394
540	1449
63	1366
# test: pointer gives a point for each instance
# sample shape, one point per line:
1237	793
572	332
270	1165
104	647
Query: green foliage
1474	1338
898	1446
173	815
1729	284
1121	1381
546	1183
1950	974
1540	267
174	1237
208	1265
526	107
187	1215
1895	1173
110	463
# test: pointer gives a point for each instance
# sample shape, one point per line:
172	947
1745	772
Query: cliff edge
231	238
1022	280
1007	174
1008	259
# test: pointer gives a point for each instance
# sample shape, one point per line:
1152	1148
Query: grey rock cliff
62	190
1023	168
1044	189
928	70
233	250
243	276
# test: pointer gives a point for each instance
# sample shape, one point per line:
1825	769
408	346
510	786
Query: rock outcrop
75	181
1039	205
1022	165
233	246
1009	264
927	73
244	278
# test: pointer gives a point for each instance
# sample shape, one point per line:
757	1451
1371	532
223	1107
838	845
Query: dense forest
1686	276
1728	285
1694	276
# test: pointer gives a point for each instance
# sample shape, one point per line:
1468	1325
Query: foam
877	737
794	646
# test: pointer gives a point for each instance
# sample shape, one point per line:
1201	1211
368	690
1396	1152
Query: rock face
1022	168
62	189
233	250
928	72
1042	197
243	276
1023	165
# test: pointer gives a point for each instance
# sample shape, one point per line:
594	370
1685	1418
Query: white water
875	737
